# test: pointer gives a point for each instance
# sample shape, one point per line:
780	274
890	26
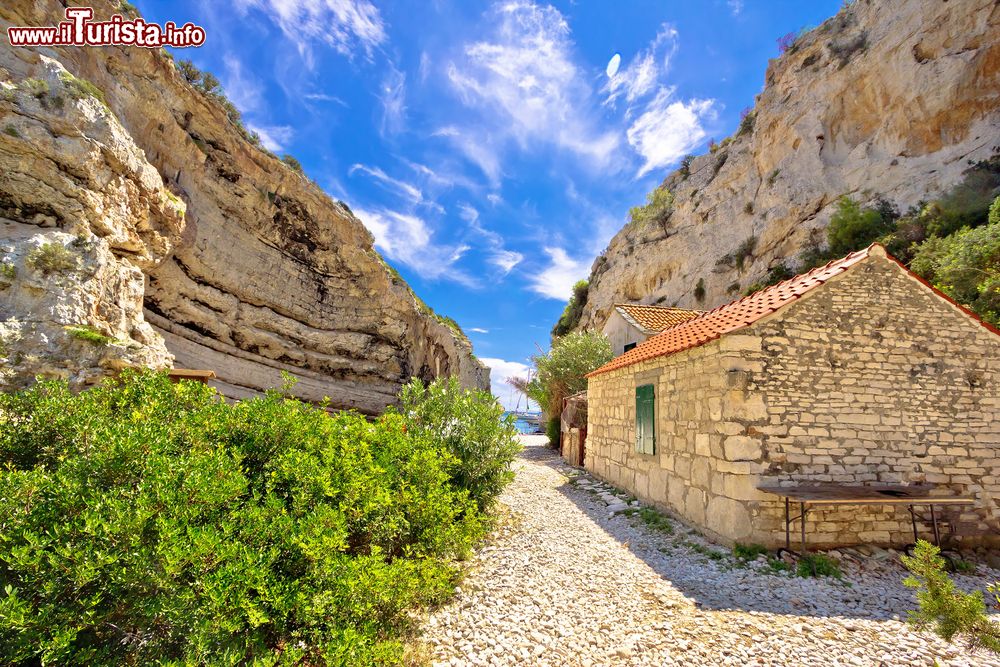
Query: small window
645	419
629	346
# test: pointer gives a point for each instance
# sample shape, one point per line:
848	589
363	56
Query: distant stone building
631	323
856	372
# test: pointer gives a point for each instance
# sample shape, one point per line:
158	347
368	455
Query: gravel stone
567	580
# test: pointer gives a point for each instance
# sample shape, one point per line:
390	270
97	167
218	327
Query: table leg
788	529
802	518
937	535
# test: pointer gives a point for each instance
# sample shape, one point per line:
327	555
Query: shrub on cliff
148	522
853	227
472	427
574	309
561	372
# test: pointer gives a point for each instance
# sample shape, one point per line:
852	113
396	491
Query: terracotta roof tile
732	316
656	318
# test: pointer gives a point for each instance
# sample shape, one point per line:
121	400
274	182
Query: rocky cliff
139	226
889	98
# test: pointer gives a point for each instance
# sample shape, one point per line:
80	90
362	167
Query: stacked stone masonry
871	377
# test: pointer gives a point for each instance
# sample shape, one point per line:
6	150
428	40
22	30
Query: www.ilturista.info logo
79	30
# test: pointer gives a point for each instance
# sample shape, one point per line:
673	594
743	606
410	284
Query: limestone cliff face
889	98
254	270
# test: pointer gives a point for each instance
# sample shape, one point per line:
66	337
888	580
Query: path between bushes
566	582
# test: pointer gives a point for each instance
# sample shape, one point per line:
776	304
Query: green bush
852	227
950	613
748	552
655	520
52	258
292	162
659	205
149	522
89	334
573	311
553	431
966	267
561	372
472	427
818	565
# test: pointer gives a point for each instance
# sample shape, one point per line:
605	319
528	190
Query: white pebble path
566	582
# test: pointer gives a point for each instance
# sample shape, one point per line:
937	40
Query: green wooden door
645	419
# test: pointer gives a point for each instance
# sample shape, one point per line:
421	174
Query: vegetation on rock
573	311
52	258
657	209
150	522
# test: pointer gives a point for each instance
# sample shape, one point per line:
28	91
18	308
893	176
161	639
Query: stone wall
870	378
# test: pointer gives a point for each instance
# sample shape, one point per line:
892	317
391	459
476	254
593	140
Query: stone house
631	323
856	372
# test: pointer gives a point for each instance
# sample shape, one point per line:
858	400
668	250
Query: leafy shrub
993	217
81	88
89	334
775	275
11	131
685	168
852	227
553	431
739	256
472	427
292	162
657	210
966	267
699	290
773	177
818	565
950	613
574	309
748	552
150	522
561	372
52	258
37	88
8	272
747	118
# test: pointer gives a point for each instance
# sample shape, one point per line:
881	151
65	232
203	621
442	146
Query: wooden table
827	494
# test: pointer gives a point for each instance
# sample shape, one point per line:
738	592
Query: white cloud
505	260
479	330
556	281
643	73
667	130
344	25
392	95
242	89
525	83
408	239
613	65
410	191
735	6
273	137
500	370
323	97
494	199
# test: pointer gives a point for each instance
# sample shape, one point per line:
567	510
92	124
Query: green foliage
993	217
560	373
553	431
776	565
699	290
573	311
685	168
471	426
8	272
966	267
659	205
852	227
818	565
292	162
11	131
81	88
739	256
747	122
748	552
950	613
89	334
37	88
655	520
146	522
773	177
52	258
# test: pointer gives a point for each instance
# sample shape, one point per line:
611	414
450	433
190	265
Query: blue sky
492	149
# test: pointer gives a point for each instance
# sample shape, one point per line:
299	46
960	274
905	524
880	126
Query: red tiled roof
656	318
732	316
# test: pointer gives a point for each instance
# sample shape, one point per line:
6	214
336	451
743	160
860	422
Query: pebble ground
569	578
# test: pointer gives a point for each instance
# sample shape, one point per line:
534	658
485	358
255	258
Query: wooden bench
827	494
